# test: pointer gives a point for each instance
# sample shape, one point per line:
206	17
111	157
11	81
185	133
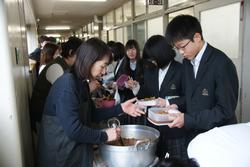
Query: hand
113	134
177	121
131	109
93	85
160	102
131	83
98	102
172	106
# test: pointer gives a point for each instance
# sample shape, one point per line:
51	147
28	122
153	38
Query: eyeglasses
182	47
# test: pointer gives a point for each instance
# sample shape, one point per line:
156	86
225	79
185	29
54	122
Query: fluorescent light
57	28
83	0
53	35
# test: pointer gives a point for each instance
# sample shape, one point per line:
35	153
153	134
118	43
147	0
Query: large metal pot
141	154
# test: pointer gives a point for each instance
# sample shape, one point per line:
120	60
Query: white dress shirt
196	61
161	75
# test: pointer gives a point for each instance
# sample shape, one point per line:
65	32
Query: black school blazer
212	97
172	85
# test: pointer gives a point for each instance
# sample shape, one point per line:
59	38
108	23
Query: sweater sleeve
67	111
105	113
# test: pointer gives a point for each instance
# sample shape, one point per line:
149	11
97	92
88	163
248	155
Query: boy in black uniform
211	82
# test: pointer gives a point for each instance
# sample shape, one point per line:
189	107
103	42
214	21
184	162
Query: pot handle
113	123
142	144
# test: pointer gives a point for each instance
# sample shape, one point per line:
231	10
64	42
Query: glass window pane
154	5
127	11
119	35
104	36
140	33
140	7
227	19
110	20
111	35
175	2
89	28
127	33
189	11
118	15
104	20
154	30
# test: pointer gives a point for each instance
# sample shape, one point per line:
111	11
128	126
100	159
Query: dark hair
177	162
69	48
118	51
183	27
52	39
87	54
157	49
42	38
48	52
133	44
111	44
129	45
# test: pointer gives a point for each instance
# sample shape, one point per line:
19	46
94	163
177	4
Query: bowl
107	103
161	114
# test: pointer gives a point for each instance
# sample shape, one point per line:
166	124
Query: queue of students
205	87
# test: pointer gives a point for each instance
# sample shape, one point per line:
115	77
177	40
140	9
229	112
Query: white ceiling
70	12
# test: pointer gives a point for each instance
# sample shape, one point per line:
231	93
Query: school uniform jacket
211	98
172	85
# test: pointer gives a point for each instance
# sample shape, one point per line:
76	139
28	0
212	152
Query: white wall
155	26
15	133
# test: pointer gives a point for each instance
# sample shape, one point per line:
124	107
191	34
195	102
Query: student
66	136
49	52
211	82
132	67
119	54
34	57
48	76
226	146
164	81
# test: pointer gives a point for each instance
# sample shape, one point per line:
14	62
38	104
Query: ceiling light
57	28
53	35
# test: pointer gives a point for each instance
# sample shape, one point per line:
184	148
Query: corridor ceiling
73	13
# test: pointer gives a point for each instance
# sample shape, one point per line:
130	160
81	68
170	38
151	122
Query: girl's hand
113	134
131	109
93	85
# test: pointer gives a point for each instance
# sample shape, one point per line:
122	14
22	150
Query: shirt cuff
136	89
167	102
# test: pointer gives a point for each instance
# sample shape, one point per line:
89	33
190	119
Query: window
140	7
118	15
127	33
154	30
140	33
127	11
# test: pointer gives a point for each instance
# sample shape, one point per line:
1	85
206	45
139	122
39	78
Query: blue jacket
66	136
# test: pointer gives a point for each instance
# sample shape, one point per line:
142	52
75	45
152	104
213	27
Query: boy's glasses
182	47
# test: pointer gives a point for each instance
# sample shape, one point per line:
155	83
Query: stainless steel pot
141	154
